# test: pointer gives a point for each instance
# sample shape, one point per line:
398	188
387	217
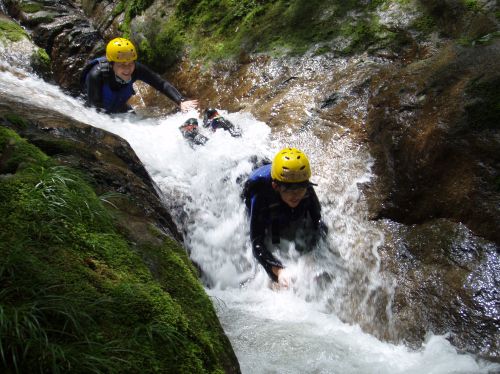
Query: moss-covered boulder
93	277
19	51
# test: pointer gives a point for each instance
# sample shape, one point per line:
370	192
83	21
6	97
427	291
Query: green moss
472	5
43	56
178	277
162	47
16	120
131	8
31	7
40	61
15	151
425	24
77	296
221	29
11	31
120	8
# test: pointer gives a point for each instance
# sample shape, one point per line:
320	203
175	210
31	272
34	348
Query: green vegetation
218	29
11	31
16	120
76	296
41	60
214	29
30	7
472	5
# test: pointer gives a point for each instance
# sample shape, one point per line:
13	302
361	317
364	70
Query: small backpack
99	60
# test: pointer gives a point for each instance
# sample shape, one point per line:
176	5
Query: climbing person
189	131
213	120
282	204
107	82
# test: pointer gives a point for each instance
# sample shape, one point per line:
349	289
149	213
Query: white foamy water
296	330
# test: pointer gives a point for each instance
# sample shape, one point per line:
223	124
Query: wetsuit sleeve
314	207
94	82
148	76
257	234
319	227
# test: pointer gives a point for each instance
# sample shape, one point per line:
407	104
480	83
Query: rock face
433	127
446	282
64	32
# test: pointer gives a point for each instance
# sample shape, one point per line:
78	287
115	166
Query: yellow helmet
120	50
290	165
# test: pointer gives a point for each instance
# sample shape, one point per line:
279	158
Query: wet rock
17	50
446	282
64	32
103	17
433	128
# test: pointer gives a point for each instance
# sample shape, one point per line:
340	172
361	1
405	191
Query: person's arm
319	227
229	126
94	88
257	233
148	76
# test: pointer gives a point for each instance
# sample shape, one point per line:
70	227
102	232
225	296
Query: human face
291	197
124	70
189	128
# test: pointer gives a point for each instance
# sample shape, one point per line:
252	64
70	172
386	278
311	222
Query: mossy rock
11	31
41	63
30	7
85	297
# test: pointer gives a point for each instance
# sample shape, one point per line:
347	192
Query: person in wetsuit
282	203
189	131
108	81
213	120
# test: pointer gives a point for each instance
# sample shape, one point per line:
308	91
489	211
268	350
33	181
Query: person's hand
188	105
283	280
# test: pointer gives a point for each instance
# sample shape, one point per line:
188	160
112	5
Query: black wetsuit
222	123
271	217
194	137
104	91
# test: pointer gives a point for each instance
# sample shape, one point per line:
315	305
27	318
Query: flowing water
301	329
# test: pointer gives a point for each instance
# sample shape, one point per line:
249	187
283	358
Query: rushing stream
296	330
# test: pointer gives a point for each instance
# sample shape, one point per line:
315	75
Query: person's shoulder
99	66
261	173
140	67
264	170
96	71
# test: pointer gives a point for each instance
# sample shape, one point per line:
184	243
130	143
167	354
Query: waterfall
319	324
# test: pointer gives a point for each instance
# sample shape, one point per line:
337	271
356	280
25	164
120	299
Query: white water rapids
296	330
